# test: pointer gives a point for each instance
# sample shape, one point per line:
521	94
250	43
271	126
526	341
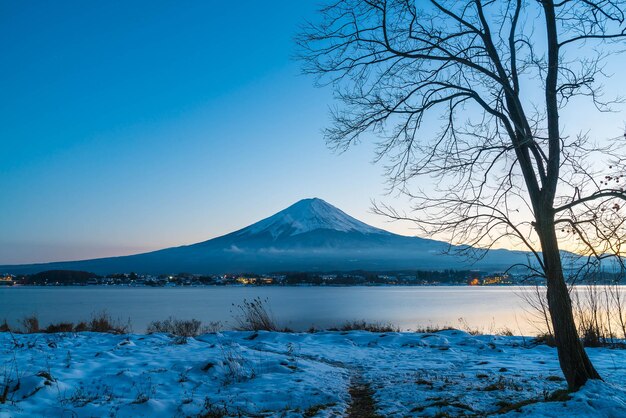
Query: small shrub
9	380
7	387
432	329
506	406
211	410
236	366
4	327
60	327
83	396
141	398
502	384
561	395
81	327
178	327
591	337
505	332
212	328
180	340
547	339
30	324
254	315
46	375
144	391
467	328
102	322
367	326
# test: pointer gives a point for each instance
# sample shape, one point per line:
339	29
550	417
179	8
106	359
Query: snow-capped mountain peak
308	215
310	235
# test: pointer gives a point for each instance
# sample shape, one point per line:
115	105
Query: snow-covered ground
449	373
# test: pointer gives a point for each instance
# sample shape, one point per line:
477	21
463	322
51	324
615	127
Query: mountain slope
310	235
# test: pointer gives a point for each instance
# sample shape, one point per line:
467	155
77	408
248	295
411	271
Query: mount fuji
310	235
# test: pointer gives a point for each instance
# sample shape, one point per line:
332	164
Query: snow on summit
309	215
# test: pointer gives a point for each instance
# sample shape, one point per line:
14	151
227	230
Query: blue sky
132	126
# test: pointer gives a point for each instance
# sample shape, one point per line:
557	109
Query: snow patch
309	215
270	374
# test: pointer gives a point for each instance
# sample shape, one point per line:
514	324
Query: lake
485	308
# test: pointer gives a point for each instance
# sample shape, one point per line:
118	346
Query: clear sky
132	126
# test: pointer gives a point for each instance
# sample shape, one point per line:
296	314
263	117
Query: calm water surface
299	308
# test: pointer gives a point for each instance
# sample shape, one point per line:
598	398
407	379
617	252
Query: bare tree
492	76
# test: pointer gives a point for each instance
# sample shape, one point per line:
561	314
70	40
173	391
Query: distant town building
7	280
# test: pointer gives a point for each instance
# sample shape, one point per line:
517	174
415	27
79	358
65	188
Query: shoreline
276	286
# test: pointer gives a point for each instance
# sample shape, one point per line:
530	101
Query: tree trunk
575	363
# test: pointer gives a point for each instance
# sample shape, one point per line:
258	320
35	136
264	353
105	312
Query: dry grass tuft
367	326
254	315
178	327
100	322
